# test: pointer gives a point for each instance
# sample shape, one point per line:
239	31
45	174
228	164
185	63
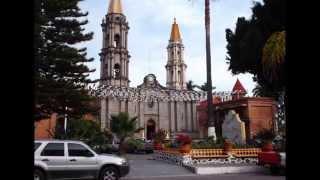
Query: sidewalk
226	169
142	166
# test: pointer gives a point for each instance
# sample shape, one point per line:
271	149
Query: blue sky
150	24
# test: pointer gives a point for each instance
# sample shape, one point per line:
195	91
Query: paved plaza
142	167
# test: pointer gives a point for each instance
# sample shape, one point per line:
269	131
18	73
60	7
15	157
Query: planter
185	148
157	146
227	147
266	147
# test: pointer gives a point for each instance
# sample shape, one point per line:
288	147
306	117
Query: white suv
64	159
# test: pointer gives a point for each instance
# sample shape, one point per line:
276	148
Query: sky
150	24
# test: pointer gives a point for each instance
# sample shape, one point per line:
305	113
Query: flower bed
173	156
208	156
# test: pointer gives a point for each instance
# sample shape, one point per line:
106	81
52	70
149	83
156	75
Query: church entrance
151	129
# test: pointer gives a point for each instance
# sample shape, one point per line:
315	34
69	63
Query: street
250	176
144	168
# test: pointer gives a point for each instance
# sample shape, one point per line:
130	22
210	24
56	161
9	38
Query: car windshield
36	146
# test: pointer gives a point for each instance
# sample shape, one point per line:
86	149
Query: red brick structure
256	112
44	129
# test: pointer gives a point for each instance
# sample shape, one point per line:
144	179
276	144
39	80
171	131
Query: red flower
183	139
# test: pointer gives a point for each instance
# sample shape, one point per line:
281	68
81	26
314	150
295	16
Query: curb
226	169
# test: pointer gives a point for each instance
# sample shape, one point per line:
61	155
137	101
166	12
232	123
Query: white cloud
150	25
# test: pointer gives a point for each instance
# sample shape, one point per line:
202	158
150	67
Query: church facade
171	107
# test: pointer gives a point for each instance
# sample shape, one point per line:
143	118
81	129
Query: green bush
134	144
208	143
265	135
239	146
160	136
87	131
171	145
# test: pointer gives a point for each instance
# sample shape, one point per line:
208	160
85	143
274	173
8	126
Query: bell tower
176	68
114	55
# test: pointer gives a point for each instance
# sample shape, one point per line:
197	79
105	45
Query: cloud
150	25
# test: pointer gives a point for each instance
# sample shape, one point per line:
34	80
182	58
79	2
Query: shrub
171	145
87	131
265	135
207	144
133	144
160	136
183	139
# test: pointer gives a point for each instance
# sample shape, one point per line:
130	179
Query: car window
36	146
53	149
78	150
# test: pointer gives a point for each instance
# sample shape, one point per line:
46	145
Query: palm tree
208	62
263	91
273	55
190	85
273	63
124	127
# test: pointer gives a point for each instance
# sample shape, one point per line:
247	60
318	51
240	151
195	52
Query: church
171	107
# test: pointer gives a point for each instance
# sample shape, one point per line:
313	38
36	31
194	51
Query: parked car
276	161
65	159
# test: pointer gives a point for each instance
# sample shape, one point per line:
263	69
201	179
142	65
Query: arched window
117	40
179	76
116	71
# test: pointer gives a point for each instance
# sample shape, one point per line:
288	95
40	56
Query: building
44	129
256	112
171	107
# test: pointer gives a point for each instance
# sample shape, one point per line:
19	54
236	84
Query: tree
190	85
208	64
273	56
124	127
257	46
246	43
88	131
204	87
260	91
60	70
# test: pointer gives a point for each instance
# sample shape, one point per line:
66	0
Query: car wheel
109	173
38	175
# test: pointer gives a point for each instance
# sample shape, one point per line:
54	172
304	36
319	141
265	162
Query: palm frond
273	55
138	130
